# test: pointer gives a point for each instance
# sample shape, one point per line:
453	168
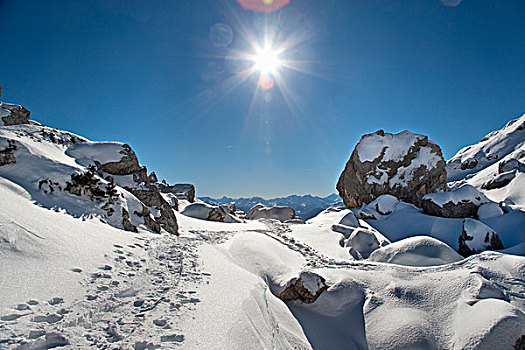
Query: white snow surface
416	251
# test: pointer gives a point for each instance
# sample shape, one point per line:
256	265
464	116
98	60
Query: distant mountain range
306	206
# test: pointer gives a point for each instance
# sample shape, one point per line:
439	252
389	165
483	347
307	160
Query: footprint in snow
12	317
22	307
56	301
52	318
178	338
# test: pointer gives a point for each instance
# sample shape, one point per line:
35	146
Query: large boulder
13	114
405	165
462	202
477	237
260	211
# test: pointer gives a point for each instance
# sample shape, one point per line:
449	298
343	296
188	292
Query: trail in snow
134	301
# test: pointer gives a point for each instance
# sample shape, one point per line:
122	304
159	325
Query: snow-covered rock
477	237
350	219
404	165
489	210
416	251
306	288
459	203
361	240
184	191
260	211
11	114
205	211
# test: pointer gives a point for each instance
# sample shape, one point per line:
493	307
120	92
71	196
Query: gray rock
127	165
126	222
7	155
405	165
167	219
149	221
15	114
297	288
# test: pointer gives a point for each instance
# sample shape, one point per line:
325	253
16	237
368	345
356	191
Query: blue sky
148	73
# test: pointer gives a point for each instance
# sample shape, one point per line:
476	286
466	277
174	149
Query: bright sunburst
266	61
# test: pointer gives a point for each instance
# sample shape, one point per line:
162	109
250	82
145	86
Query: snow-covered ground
71	277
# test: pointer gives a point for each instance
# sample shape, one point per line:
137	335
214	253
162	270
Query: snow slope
497	158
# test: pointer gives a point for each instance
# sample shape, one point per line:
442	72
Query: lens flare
265	81
263	5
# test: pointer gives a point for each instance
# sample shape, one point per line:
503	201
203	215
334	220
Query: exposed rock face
151	196
7	155
128	164
307	288
405	165
149	221
167	219
260	211
126	222
184	191
477	237
459	203
13	114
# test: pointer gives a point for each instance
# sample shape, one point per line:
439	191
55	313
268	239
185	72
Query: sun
266	61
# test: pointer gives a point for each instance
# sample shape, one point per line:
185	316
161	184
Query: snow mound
416	251
489	210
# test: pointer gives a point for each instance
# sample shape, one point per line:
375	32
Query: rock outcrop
7	155
462	202
11	114
306	288
405	165
184	191
477	237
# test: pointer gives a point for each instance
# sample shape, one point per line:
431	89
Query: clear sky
166	77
